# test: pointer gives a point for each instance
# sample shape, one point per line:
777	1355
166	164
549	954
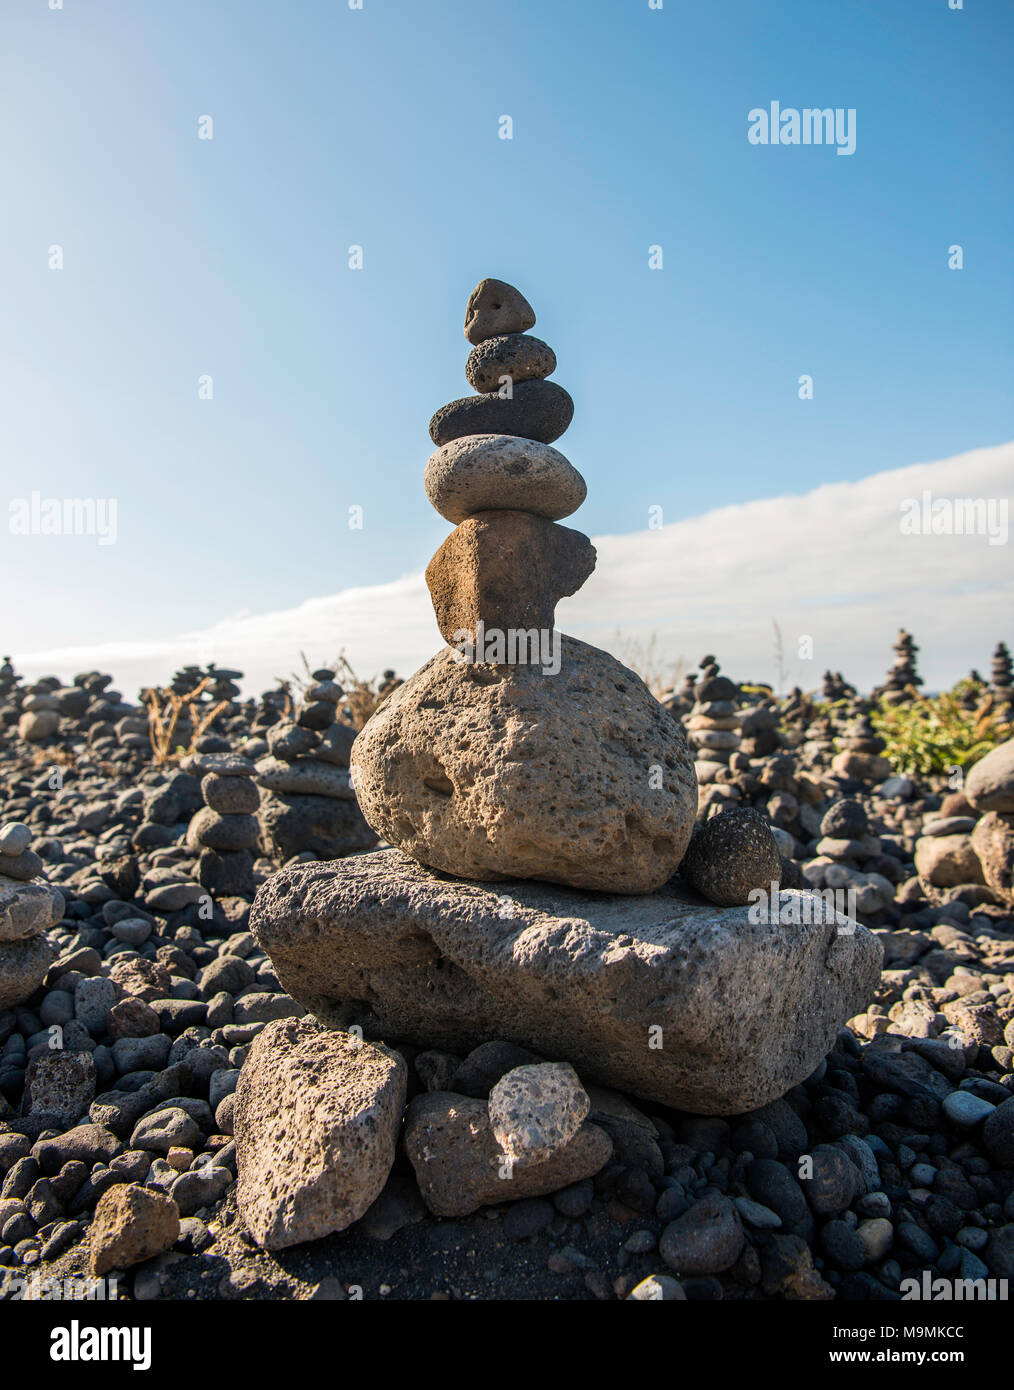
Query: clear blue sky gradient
380	127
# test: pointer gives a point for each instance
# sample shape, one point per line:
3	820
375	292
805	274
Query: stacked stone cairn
308	804
836	687
714	722
537	808
225	830
27	910
903	678
680	702
1002	681
859	756
849	857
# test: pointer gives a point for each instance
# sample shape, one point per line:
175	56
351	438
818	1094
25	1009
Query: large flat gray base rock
664	995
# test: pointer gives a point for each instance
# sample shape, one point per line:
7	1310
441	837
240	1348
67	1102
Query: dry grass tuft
167	710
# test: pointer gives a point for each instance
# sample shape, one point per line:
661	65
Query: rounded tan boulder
491	472
576	776
993	844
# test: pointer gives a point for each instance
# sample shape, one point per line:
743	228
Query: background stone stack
836	687
499	767
27	909
308	805
40	712
1002	681
902	679
859	757
225	829
714	722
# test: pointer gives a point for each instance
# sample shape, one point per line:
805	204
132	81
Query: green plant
937	733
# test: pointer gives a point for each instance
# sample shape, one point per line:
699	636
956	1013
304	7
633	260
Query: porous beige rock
23	964
993	844
132	1224
489	772
508	570
460	1166
707	1009
947	860
27	908
534	1110
990	784
315	1122
487	472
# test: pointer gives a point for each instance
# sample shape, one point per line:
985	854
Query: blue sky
379	127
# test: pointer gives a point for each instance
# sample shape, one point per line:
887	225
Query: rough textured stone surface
22	967
534	1110
222	832
230	795
503	771
494	308
316	1124
132	1224
308	777
324	825
486	472
993	844
508	569
947	860
990	784
731	856
27	908
518	356
460	1167
746	1010
61	1084
535	410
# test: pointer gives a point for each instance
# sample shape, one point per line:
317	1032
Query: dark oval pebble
538	410
526	1218
843	1246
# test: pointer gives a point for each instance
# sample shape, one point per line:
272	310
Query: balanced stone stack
902	679
836	687
859	757
40	712
308	804
714	722
539	799
27	910
225	830
507	755
1002	681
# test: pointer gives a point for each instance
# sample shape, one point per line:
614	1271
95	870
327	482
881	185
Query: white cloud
831	564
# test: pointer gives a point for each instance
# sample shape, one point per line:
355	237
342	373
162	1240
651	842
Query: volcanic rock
662	996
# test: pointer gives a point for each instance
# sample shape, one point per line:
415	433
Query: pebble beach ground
119	1066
